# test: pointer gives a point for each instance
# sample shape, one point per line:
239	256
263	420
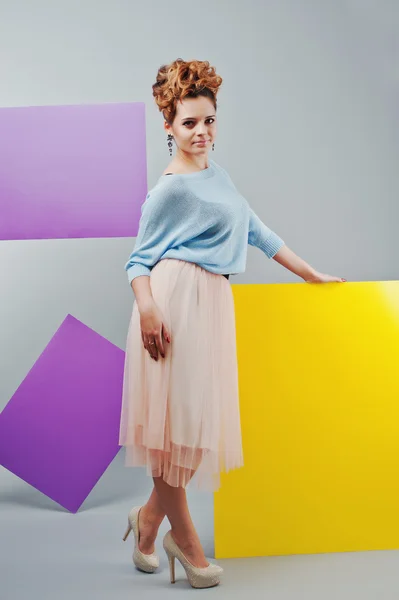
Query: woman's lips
201	143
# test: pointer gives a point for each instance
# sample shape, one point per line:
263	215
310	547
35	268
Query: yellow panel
319	397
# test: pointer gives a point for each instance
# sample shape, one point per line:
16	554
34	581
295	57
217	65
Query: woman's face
195	121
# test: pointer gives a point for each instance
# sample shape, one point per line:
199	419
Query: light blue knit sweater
199	217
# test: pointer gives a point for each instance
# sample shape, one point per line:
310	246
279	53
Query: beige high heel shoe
198	577
145	562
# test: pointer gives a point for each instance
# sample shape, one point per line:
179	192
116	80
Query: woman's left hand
317	277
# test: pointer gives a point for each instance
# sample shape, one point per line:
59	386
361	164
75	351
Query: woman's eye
187	122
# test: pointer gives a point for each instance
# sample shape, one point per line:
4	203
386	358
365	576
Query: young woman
180	410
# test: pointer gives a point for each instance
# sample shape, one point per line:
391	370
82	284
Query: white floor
46	553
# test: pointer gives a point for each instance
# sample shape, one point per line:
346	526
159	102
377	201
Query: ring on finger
152	344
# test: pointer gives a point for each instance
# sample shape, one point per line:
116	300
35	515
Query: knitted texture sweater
199	217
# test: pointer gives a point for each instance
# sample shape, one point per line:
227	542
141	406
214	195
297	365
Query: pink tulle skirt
180	415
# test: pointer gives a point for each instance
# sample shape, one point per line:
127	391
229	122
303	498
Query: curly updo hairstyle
184	79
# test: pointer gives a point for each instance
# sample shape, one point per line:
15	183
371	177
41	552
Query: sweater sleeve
261	236
165	218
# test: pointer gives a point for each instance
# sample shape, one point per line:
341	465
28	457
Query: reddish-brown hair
181	79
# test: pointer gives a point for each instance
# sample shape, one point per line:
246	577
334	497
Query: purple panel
59	432
72	171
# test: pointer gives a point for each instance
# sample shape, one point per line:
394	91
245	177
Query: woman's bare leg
174	503
151	517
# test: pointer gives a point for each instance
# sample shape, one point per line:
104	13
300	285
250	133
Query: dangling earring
170	138
213	146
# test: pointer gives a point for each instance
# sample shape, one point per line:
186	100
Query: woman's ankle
186	539
149	518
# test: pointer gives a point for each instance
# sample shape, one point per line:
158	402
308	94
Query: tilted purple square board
60	430
72	171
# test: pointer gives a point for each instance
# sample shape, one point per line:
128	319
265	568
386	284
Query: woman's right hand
153	327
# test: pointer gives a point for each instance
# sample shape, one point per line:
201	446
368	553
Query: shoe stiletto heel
128	530
145	562
172	568
198	577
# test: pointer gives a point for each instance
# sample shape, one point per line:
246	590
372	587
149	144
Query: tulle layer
180	415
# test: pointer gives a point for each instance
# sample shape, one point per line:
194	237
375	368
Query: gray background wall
308	130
